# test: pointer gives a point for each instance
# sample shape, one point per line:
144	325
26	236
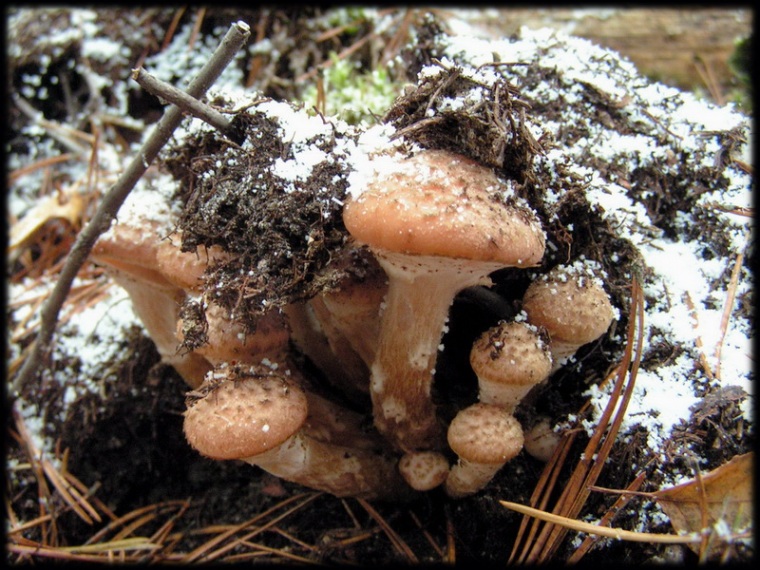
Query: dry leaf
724	494
48	209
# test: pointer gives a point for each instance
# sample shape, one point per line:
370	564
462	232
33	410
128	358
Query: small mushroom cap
443	204
424	470
246	410
484	433
511	353
571	306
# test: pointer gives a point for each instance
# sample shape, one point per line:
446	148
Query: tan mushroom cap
251	410
227	340
511	353
439	203
571	306
424	470
485	434
185	269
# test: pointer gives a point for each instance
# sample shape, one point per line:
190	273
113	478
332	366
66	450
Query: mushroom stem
309	336
129	254
158	309
337	469
412	324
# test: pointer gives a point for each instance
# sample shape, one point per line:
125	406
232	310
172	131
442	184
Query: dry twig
114	198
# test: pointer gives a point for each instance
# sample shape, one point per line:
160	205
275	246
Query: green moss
353	95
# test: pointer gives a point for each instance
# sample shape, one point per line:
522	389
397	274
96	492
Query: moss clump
351	94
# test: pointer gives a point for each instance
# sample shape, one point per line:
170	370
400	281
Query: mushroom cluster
426	226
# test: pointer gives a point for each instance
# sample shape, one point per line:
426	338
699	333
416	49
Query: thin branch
114	198
188	104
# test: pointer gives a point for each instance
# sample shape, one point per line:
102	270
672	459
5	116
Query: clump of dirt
489	125
282	232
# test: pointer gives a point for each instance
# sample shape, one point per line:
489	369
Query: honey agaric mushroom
129	253
437	223
570	303
269	345
256	414
509	359
424	470
485	437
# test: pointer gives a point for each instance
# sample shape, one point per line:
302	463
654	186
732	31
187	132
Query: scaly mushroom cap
485	434
571	305
245	411
509	359
439	203
424	470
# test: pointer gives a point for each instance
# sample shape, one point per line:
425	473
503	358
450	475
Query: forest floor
97	465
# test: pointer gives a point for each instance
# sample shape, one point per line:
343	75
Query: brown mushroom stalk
438	223
485	437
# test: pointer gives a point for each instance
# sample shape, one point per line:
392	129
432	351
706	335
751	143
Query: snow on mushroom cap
251	410
442	204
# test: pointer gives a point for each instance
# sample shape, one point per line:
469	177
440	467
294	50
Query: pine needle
398	543
608	532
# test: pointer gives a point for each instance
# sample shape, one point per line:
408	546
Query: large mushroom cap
440	203
251	410
485	434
